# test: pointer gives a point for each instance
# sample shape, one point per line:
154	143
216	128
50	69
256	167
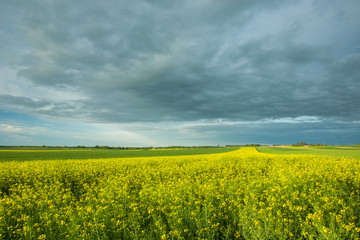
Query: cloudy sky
196	72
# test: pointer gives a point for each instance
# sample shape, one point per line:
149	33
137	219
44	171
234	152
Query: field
348	151
24	154
242	194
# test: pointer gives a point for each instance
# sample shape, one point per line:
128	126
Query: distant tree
317	144
252	145
300	144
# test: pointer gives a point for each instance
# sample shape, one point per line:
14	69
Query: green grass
62	154
348	151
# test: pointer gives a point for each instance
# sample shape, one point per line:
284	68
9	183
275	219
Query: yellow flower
42	236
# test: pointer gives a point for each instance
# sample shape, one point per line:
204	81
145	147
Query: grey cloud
180	61
23	101
327	131
40	107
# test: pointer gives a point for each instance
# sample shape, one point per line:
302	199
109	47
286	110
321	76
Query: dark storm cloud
186	60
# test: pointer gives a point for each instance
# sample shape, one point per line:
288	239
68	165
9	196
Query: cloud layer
181	61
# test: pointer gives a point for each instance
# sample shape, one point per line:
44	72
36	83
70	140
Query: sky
192	72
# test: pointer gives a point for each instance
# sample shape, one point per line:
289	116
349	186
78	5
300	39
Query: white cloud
300	119
6	128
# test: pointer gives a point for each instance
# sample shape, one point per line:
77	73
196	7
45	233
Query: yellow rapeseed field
242	194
